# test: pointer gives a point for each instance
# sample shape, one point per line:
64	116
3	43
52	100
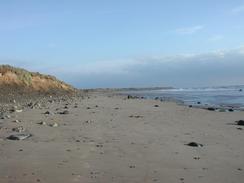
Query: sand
114	139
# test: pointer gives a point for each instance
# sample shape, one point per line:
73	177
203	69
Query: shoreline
217	108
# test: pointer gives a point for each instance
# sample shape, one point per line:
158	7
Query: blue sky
109	43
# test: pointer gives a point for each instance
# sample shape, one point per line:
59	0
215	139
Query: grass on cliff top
24	75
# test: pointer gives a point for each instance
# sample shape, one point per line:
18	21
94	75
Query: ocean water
224	97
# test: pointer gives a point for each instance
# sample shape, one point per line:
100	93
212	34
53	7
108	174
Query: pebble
18	129
64	112
17	121
42	123
19	136
135	116
54	125
48	112
194	144
240	122
211	109
18	110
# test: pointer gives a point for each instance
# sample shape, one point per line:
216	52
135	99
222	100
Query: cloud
220	67
238	9
189	30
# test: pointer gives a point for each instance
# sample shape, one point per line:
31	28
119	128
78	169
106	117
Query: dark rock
231	110
19	136
240	122
48	112
132	97
190	106
194	144
240	90
42	123
2	116
211	109
198	102
30	104
64	112
135	116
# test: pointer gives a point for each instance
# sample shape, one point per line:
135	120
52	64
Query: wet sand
114	139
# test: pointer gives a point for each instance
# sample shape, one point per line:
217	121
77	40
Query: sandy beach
109	138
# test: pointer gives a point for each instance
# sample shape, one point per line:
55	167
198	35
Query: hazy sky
115	43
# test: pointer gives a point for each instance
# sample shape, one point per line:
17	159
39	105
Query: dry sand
114	139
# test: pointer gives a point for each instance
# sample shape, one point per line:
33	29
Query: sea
219	97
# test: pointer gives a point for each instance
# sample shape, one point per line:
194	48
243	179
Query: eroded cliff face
30	81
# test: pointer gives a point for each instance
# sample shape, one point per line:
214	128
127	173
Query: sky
129	43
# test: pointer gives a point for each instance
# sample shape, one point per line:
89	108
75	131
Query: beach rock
131	97
194	144
190	106
211	109
30	104
34	105
15	109
17	121
18	129
198	102
64	112
2	116
18	110
231	110
135	116
240	122
240	90
88	121
42	123
49	113
19	136
54	125
156	105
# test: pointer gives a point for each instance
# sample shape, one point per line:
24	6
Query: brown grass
32	80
